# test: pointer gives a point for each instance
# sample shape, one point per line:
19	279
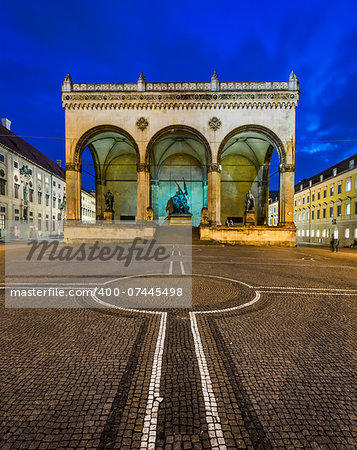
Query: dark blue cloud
113	41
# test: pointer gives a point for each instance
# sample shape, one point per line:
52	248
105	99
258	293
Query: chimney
6	123
59	162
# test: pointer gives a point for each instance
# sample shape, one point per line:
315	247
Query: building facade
87	206
32	188
326	205
218	137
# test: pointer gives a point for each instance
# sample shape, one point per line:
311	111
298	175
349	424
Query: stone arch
178	129
257	129
85	138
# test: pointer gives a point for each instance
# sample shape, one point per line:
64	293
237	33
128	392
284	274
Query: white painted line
309	293
170	268
212	417
148	438
305	288
182	268
179	253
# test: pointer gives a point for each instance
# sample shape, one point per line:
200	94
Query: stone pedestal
108	215
178	219
249	218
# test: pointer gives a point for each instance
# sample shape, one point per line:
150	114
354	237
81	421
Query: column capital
74	167
214	167
142	167
286	168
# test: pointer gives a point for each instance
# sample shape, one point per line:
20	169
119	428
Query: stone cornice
181	100
286	168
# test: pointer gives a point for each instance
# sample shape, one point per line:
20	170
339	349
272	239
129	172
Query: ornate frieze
214	167
73	167
214	123
145	101
286	168
142	167
142	123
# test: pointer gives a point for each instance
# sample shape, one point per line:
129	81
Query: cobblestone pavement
265	362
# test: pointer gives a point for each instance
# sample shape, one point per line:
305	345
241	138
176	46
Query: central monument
177	207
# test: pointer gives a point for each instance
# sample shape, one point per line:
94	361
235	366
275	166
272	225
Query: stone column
214	194
73	191
99	198
263	195
286	195
143	190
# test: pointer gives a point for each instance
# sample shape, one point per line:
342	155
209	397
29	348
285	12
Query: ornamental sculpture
214	123
142	123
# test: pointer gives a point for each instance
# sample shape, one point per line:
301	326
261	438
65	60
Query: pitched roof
23	148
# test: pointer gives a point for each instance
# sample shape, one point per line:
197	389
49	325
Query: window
16	187
355	233
307	233
324	213
2	187
356	207
347	233
31	195
338	210
302	232
308	214
299	201
324	232
331	211
312	233
348	184
348	209
54	184
39	197
16	164
17	211
299	215
312	215
318	195
2	157
47	200
54	202
310	183
332	189
39	176
325	193
39	224
321	178
313	197
303	216
298	232
352	164
317	233
318	214
308	199
2	221
328	233
334	172
339	188
303	200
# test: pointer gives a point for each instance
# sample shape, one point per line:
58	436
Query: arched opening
108	158
249	157
178	155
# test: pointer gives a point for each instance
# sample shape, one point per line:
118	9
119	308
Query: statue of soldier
109	201
249	201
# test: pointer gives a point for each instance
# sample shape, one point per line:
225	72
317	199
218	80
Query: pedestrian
337	243
231	223
332	243
227	222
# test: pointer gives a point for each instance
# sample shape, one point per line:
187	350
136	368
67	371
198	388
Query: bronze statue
109	201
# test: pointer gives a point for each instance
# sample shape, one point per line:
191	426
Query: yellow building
326	205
